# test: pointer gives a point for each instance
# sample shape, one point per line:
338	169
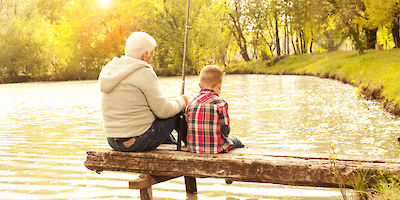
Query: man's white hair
138	43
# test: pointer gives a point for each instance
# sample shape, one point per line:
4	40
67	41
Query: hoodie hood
117	70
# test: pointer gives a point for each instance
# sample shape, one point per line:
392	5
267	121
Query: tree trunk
396	32
238	33
287	40
243	51
294	46
284	42
371	37
355	35
301	41
311	45
278	46
15	8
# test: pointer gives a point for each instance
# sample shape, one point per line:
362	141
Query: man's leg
132	144
160	132
181	127
170	140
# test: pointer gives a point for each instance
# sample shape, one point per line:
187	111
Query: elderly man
137	115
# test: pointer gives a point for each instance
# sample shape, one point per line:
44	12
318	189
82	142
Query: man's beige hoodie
132	98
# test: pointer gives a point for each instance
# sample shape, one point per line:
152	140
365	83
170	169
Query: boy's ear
201	87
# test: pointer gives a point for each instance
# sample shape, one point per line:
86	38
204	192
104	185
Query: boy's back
208	123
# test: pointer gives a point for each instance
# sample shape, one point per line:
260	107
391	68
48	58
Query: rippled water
46	129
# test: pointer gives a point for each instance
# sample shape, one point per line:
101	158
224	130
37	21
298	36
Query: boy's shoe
228	181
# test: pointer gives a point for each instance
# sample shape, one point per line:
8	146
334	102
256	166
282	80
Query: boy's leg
181	128
236	142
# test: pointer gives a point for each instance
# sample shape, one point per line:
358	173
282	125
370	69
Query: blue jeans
158	132
236	142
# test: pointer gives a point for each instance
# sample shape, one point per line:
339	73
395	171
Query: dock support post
144	183
146	193
191	186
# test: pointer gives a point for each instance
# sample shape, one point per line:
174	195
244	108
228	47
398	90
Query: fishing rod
181	132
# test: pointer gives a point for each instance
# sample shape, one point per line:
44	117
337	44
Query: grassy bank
375	73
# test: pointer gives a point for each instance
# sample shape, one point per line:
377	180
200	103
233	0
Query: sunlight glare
104	3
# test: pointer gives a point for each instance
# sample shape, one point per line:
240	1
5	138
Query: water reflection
308	114
46	128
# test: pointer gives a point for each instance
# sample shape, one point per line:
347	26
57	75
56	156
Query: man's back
208	123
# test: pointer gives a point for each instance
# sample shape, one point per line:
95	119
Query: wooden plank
141	183
145	181
247	165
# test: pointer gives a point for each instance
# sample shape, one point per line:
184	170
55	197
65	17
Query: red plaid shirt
208	124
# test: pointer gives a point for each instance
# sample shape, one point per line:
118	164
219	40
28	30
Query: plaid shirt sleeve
224	119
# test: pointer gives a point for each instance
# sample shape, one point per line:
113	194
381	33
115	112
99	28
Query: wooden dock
247	165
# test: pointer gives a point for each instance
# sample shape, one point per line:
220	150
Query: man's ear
144	56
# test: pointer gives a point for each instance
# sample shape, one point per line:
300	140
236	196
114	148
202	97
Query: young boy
207	117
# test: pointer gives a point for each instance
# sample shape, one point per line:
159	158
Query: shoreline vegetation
375	74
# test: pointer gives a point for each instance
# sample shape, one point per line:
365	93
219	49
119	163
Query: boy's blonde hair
210	76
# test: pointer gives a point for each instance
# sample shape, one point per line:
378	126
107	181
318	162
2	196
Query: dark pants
236	142
158	133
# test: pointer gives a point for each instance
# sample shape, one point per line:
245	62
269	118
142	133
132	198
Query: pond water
46	129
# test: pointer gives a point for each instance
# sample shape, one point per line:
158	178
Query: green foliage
387	187
24	55
382	185
73	39
252	67
207	41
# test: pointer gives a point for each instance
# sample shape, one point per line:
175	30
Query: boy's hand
185	98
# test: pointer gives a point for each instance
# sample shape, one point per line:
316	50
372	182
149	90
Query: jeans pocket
140	144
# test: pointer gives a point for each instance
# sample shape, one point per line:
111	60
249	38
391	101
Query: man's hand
186	99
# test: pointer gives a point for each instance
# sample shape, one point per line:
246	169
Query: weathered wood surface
145	181
248	165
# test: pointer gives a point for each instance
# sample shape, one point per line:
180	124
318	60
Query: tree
25	52
384	13
51	9
308	20
95	34
331	37
347	14
238	23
